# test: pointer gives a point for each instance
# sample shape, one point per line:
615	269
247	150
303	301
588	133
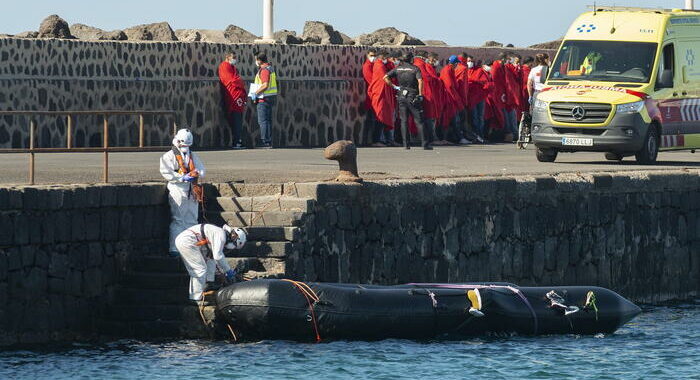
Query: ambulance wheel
610	156
650	150
546	155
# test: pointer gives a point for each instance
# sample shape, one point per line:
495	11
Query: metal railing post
105	145
32	128
141	131
69	131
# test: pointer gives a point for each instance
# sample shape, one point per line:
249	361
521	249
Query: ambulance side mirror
666	79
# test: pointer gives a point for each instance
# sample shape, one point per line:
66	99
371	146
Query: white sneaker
238	147
464	141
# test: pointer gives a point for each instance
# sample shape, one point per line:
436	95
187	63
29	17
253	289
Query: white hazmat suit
184	207
201	268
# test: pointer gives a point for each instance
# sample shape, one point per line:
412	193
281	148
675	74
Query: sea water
661	343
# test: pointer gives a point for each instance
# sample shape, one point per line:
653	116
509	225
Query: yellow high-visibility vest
272	85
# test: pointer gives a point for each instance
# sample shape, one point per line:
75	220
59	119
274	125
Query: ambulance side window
667	68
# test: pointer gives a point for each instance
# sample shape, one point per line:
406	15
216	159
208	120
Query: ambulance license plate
575	141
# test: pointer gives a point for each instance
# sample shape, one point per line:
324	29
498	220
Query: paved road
287	165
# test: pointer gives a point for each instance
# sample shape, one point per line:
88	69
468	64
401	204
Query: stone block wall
321	90
62	250
638	234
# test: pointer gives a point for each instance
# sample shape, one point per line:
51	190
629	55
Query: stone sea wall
62	250
321	90
638	234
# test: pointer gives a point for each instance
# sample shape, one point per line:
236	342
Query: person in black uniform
410	98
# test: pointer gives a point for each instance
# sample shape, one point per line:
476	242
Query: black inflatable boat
290	310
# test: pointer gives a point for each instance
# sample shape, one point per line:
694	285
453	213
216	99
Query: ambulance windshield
606	61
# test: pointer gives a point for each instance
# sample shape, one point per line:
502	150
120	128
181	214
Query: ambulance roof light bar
604	8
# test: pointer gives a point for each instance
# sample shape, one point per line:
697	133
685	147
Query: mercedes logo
578	113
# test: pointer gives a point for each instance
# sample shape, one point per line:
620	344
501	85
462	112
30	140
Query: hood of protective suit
183	140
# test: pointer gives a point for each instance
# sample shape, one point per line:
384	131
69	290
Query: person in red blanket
525	74
234	97
375	127
479	87
440	100
383	97
462	76
454	101
513	91
431	90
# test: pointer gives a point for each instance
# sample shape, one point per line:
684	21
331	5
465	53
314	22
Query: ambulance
626	82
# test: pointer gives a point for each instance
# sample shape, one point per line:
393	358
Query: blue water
662	343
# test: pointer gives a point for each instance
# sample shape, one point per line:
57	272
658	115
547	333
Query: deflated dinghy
291	310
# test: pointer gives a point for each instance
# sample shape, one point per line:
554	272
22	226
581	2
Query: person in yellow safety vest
182	168
265	97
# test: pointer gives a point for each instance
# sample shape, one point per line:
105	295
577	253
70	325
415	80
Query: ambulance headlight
540	105
635	107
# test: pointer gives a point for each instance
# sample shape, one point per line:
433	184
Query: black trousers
406	105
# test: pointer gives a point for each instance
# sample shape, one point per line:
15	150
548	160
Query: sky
457	22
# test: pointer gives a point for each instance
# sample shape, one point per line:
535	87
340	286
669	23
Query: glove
530	100
397	88
231	275
188	178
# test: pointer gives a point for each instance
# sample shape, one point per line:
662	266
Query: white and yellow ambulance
626	81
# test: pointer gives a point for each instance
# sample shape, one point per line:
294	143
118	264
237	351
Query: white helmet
239	241
183	138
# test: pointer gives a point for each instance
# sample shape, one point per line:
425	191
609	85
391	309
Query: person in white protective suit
201	248
182	168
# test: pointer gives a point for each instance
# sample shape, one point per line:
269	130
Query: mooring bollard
345	152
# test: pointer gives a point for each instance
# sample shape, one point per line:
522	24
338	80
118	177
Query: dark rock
435	43
347	40
387	37
317	32
238	35
151	32
54	27
288	37
547	45
510	45
85	32
492	44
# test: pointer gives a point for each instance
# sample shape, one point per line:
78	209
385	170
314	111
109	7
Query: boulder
238	35
317	32
29	34
160	31
54	27
388	37
347	40
510	45
554	45
188	35
288	37
85	32
492	44
435	43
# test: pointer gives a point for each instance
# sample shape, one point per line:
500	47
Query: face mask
436	63
372	59
510	61
384	61
233	61
487	68
470	64
184	149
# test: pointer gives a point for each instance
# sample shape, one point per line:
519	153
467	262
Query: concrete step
260	203
135	313
150	280
214	190
273	233
257	219
263	249
140	329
